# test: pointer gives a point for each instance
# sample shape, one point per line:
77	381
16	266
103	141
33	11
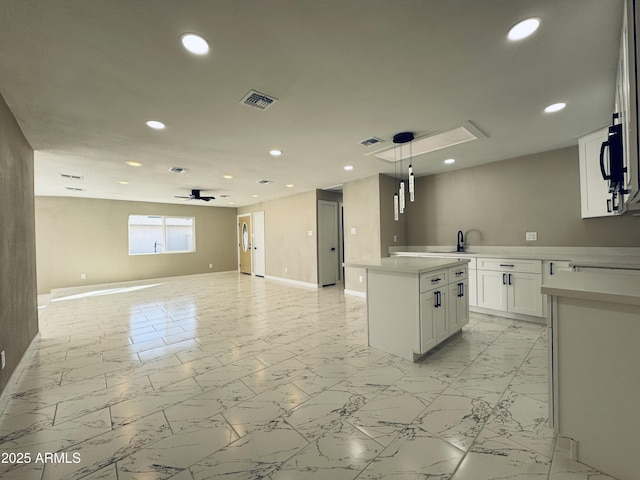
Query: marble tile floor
233	377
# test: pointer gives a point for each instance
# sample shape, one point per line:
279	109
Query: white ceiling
83	76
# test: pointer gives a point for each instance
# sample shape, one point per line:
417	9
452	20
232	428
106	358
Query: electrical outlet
353	230
286	269
3	362
395	238
531	236
211	265
83	276
360	278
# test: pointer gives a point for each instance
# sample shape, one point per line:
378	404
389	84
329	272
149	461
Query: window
151	234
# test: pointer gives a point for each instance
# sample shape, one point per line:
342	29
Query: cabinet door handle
507	265
504	278
462	289
550	268
509	279
609	205
435	299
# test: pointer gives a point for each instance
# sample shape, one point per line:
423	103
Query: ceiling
82	78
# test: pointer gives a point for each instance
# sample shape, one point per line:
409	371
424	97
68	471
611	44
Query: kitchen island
594	328
414	304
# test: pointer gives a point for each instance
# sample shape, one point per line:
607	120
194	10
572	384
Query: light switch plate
531	236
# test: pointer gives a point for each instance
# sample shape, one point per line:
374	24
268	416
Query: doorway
244	243
327	242
259	258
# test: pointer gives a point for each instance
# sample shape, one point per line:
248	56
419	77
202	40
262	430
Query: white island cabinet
594	329
413	304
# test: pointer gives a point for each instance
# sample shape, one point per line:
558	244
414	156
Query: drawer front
431	280
458	273
510	265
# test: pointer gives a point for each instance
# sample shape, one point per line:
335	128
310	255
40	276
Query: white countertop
409	265
603	287
597	257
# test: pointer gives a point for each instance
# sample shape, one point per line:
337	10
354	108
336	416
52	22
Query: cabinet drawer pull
461	272
507	265
435	280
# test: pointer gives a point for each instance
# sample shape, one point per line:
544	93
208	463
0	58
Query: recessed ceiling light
523	29
348	167
450	161
156	125
232	203
255	196
556	107
123	182
117	195
133	163
289	185
195	43
227	176
275	153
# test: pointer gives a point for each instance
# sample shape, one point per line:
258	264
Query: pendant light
399	196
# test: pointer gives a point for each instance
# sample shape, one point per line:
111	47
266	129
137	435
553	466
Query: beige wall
361	199
18	303
90	236
290	252
496	203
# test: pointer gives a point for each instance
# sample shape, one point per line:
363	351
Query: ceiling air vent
178	169
74	189
264	182
66	176
368	142
258	100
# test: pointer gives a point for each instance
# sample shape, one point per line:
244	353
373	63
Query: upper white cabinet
595	199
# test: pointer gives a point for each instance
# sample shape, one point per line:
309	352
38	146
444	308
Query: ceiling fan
195	195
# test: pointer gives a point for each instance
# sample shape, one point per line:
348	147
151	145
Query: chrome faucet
460	246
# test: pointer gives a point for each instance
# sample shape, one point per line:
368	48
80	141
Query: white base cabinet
510	285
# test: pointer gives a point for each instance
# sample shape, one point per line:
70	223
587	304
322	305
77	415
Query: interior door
244	243
259	264
328	242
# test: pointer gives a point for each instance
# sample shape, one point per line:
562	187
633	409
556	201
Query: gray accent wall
496	203
18	299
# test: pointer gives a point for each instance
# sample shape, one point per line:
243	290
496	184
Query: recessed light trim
194	43
289	185
275	152
556	107
523	29
449	161
348	168
123	182
156	125
133	163
255	196
227	176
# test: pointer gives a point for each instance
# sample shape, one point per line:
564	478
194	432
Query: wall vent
368	142
258	100
70	177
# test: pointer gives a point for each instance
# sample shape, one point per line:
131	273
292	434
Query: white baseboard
292	282
355	293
